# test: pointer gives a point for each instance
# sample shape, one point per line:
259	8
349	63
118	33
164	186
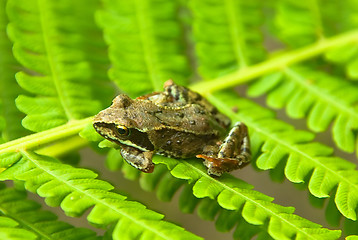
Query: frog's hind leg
233	153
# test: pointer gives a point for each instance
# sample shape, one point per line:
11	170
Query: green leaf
145	44
282	143
166	186
76	190
317	96
257	208
28	221
240	42
10	117
54	51
10	229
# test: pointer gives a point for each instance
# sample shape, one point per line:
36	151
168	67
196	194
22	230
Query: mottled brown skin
177	123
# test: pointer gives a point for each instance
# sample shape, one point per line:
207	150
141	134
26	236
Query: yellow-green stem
247	74
62	148
41	138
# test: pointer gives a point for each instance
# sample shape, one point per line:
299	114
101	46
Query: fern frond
256	208
163	184
239	43
303	22
247	208
352	237
319	97
77	190
10	117
299	22
25	217
10	229
58	73
144	44
280	142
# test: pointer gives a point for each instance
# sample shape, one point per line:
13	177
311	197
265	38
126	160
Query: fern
144	44
23	219
56	67
303	22
237	23
10	117
76	190
64	63
231	194
165	186
317	96
280	142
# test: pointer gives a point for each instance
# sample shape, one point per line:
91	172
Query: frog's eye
122	130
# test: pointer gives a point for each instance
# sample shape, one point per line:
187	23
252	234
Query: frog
178	123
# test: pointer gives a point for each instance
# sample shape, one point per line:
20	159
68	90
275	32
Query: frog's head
118	124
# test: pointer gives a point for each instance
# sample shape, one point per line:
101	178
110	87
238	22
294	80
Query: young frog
177	123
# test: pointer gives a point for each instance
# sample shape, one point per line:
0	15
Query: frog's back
180	144
185	131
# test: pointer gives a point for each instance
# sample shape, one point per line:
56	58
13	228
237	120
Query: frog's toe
217	166
148	169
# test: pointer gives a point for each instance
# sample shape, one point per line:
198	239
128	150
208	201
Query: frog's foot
217	166
141	160
233	153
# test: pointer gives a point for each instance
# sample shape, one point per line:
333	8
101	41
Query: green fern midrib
250	73
44	137
26	224
290	148
96	200
146	37
271	213
50	57
315	12
299	79
236	33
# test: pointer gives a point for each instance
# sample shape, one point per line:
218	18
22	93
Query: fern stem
62	148
44	137
250	73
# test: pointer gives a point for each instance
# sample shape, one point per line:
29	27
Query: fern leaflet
303	22
237	23
27	220
144	44
280	142
321	98
163	184
231	194
10	117
257	208
77	190
56	65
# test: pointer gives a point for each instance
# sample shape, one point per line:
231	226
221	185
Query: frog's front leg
141	160
232	154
